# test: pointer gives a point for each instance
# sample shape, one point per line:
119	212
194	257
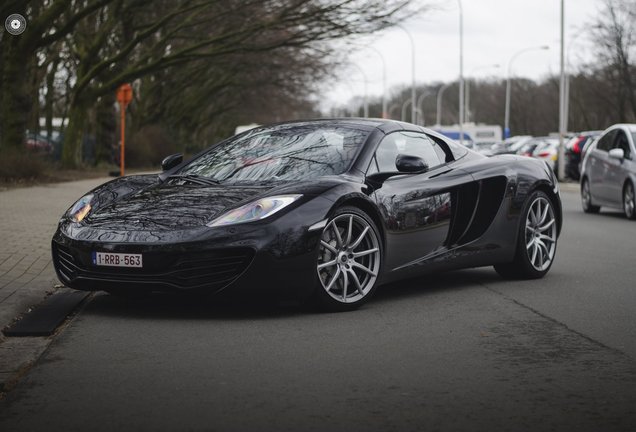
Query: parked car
608	173
511	145
548	150
484	147
528	147
574	152
327	211
38	143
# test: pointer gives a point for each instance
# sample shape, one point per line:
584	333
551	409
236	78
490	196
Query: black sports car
324	210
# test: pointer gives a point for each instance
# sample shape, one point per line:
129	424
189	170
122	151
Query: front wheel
628	201
536	244
349	260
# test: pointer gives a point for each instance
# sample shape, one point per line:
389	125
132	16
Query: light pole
391	109
413	99
467	88
440	94
420	106
568	72
562	109
404	105
461	73
384	97
364	98
507	110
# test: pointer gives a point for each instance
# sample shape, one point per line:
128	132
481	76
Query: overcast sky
494	30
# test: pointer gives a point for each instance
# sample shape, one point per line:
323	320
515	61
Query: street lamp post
440	94
391	109
404	105
507	108
461	73
467	88
420	107
385	113
562	109
413	99
364	98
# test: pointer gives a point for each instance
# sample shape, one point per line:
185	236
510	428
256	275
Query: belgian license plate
117	259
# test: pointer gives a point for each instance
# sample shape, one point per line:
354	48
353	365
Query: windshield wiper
194	178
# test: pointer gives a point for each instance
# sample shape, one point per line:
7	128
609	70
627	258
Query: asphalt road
457	351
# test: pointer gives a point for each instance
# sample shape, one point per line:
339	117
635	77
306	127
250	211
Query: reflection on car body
325	210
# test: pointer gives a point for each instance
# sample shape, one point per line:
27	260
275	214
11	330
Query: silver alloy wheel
348	258
541	233
628	200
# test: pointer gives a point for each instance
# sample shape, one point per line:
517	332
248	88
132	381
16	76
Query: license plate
117	259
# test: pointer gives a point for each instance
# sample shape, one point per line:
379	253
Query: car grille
210	269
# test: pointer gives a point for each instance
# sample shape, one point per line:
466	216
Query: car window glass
407	143
622	143
605	143
296	152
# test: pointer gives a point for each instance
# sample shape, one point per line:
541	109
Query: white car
548	150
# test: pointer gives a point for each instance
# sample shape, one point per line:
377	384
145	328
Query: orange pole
123	128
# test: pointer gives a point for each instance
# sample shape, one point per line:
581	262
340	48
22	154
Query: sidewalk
28	219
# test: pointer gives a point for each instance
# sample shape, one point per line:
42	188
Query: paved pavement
28	218
462	350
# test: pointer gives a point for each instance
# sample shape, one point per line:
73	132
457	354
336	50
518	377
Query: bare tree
115	41
614	36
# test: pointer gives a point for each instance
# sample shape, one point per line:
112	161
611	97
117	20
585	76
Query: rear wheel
629	201
586	198
536	244
349	260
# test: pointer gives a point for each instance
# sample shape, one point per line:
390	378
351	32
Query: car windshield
297	152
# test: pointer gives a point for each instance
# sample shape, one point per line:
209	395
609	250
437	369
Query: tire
629	201
536	240
348	262
586	198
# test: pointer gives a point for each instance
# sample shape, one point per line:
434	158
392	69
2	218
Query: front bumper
277	257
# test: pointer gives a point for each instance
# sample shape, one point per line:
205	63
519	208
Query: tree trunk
73	136
16	98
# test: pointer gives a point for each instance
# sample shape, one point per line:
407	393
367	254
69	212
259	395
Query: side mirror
617	153
410	164
171	161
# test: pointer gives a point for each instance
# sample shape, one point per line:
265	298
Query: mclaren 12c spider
323	210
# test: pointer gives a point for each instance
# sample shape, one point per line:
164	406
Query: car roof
385	125
629	126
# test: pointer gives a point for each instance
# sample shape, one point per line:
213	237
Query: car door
415	207
615	174
598	166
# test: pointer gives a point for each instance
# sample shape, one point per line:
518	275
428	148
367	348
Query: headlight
81	208
254	211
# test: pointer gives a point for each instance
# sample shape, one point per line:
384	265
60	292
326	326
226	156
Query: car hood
169	206
143	203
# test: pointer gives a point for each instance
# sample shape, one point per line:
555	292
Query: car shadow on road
437	282
172	306
613	214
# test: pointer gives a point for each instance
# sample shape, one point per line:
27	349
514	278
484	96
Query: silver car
609	171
